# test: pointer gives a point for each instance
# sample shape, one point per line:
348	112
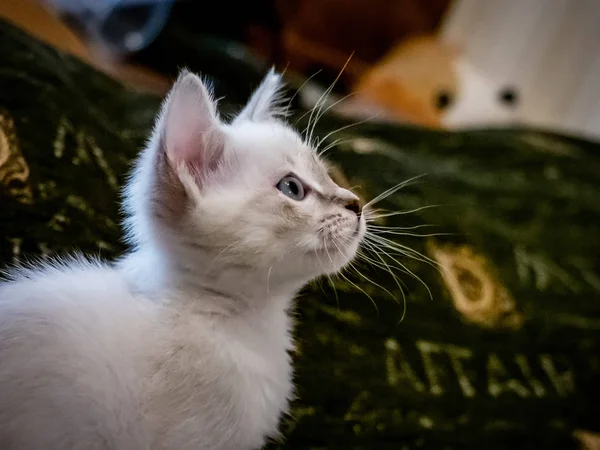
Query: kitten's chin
333	257
330	266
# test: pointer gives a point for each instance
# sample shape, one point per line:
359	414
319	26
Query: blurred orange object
414	82
424	81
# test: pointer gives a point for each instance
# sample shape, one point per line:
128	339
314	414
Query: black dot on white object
443	99
509	96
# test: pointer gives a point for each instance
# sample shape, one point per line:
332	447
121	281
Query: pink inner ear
192	134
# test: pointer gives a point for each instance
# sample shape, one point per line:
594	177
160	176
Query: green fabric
504	352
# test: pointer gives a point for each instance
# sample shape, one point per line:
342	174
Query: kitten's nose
353	205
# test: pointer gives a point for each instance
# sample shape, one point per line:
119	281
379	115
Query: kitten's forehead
316	169
276	146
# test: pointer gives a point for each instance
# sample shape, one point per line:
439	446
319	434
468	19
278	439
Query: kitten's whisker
340	273
398	282
399	213
410	272
333	144
330	280
360	289
400	233
415	276
371	281
385	194
327	252
331	133
362	256
350	264
287	66
379	265
308	131
332	284
345	97
308	124
221	254
403	249
268	281
326	94
289	105
415	227
374	249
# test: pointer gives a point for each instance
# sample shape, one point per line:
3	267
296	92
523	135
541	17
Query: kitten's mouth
340	239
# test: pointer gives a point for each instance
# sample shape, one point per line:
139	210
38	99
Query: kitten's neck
203	284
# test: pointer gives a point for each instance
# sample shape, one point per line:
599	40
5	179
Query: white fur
184	343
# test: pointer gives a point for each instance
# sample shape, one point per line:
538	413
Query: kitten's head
250	192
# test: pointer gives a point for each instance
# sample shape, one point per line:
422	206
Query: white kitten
184	343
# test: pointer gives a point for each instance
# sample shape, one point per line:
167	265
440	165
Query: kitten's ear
266	102
191	130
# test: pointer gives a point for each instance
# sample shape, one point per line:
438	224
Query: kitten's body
183	344
113	368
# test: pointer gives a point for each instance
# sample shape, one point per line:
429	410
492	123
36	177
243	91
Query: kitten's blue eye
292	187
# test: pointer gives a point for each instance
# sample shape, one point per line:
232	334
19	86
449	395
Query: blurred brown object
319	34
33	17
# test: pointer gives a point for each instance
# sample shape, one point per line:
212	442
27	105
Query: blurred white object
548	49
480	102
116	27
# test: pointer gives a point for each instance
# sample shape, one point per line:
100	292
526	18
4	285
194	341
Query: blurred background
438	63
